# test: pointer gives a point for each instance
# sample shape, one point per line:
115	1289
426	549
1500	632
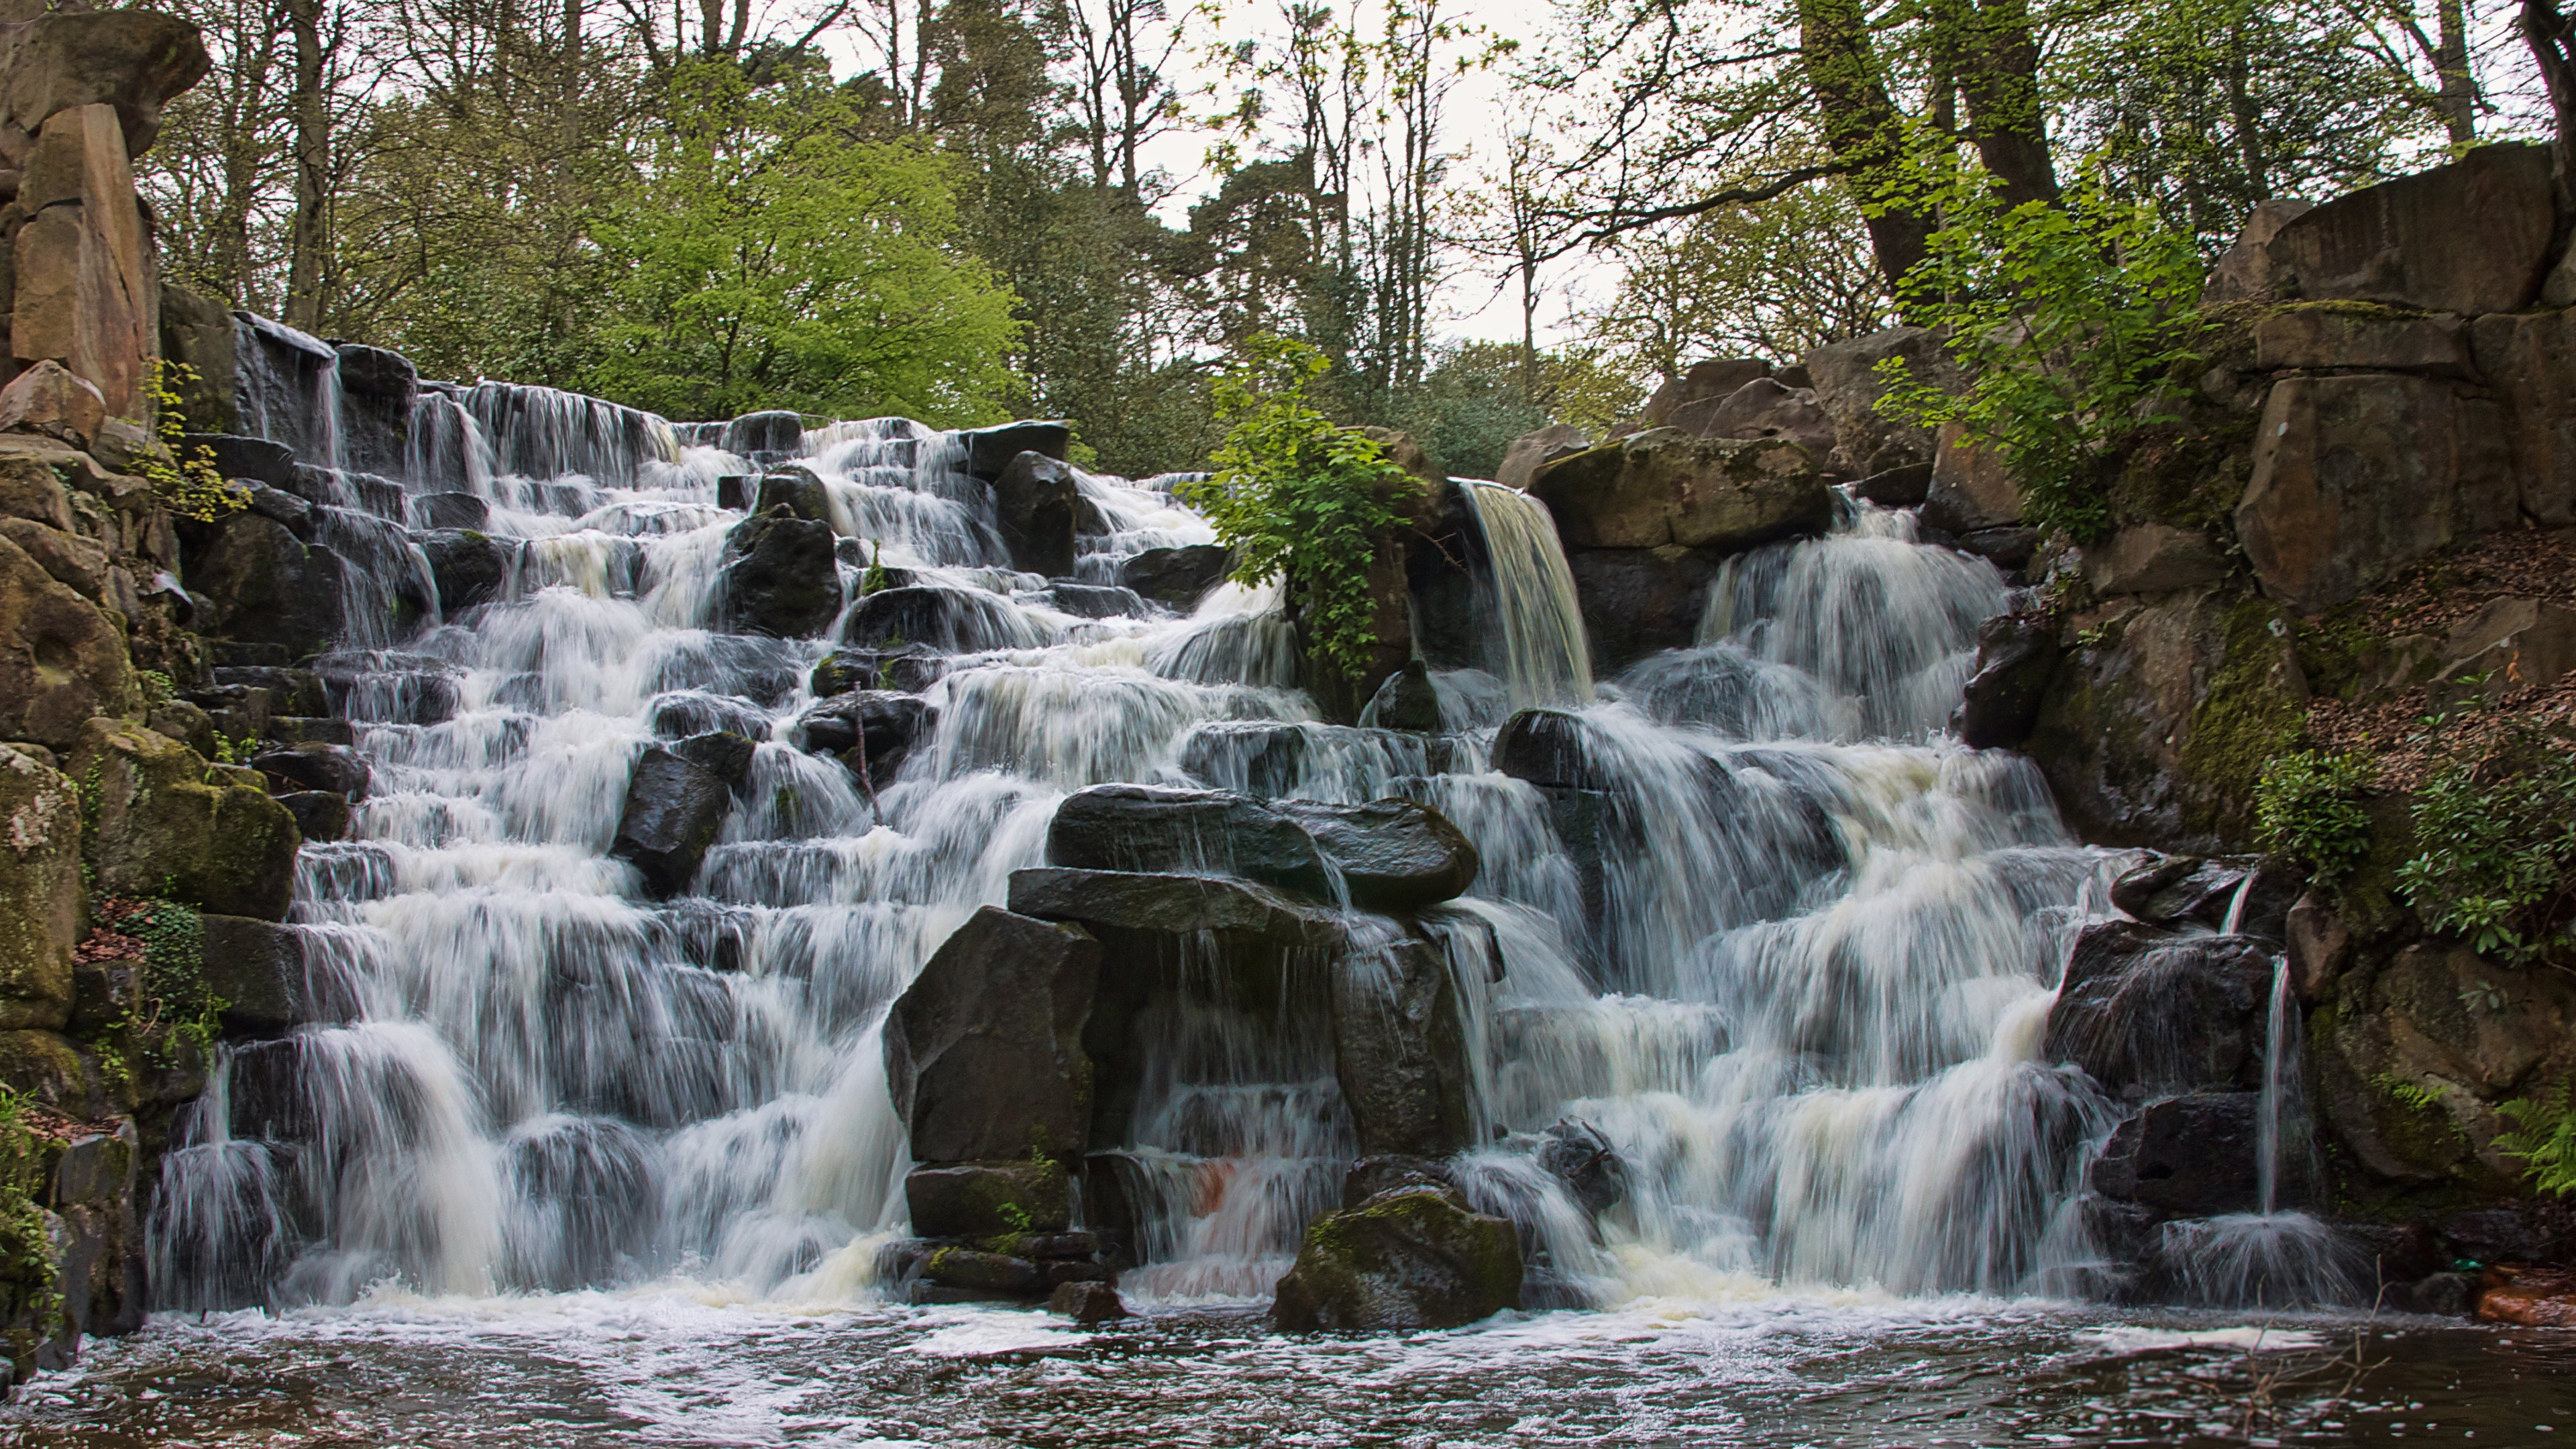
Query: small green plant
2307	806
2495	836
2064	319
185	479
1296	495
1016	1218
875	578
2409	1093
28	1271
2545	1141
157	687
231	751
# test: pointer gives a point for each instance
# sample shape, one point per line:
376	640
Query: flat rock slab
1168	904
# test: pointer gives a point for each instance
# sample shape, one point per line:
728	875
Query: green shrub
2547	1141
1295	494
2495	841
2307	806
185	480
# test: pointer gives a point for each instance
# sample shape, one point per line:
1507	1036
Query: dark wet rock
1408	1259
2145	1011
1636	601
335	768
1163	903
470	568
984	1049
1576	1154
976	1199
1177	578
263	585
990	450
1393	855
2188	890
1901	487
908	669
733	490
1033	502
1407	701
998	1274
674	809
1391	1172
2195	1155
251	460
959	621
2440	1295
798	490
1398	1053
782	580
281	507
684	713
319	814
1087	1303
2008	548
452	510
1095	601
290	691
2017	656
1208	832
1547	747
258	971
775	431
886	723
721	753
305	729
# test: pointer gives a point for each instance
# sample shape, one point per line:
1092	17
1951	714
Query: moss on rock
1410	1257
161	821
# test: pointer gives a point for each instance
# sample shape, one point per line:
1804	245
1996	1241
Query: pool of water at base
670	1367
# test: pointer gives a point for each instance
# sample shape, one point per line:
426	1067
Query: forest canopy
1484	219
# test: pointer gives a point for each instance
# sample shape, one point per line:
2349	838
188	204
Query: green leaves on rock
2495	839
2307	806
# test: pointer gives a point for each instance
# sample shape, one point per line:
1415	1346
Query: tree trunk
308	243
1999	79
1863	130
2458	97
2552	38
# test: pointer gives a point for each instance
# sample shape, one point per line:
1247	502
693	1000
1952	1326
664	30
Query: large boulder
40	892
1637	601
1972	489
1412	1258
1033	504
2243	273
987	451
2152	558
1664	488
468	567
882	725
1530	452
1713	380
131	60
775	431
1762	408
84	266
2530	361
263	585
1391	855
984	1049
1848	386
166	823
48	398
781	578
1203	832
985	1199
2198	1155
197	334
258	971
1398	1049
674	809
61	659
1167	904
1177	578
2332	335
2356	476
2017	657
957	621
799	490
2147	1011
2410	242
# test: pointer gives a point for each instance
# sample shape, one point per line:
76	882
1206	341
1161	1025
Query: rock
2319	948
798	490
469	568
334	768
197	334
40	891
674	809
1087	1303
733	491
1390	1172
1848	386
2186	891
1903	487
1547	747
908	669
990	450
2243	273
1162	903
2529	1298
721	753
2195	1155
61	659
1577	1155
1177	578
997	1274
2343	336
1971	489
2356	477
975	1199
2404	242
1712	380
984	1049
2440	1295
279	506
263	585
1637	602
1409	1259
1407	701
48	1068
781	579
319	814
165	823
2514	643
248	460
1664	487
776	431
131	60
2009	549
955	621
1530	452
290	691
376	372
2530	362
73	561
83	276
2152	558
1206	832
47	398
1392	855
31	480
886	723
2017	658
1033	502
1094	601
2145	1011
1398	1050
451	510
257	970
1762	408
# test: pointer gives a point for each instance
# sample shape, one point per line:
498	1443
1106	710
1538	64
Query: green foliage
874	579
2495	836
26	1250
2307	806
773	260
2410	1094
2546	1140
184	478
2063	318
1295	494
178	1016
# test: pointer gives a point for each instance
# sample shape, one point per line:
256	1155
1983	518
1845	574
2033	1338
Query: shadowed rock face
2412	242
674	808
984	1050
2145	1011
783	580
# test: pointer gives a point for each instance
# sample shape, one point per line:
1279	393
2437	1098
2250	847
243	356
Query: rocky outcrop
984	1050
1201	832
1412	1258
167	823
1391	855
881	726
1398	1050
2194	1155
2145	1011
264	585
987	451
1761	408
1033	504
1713	380
2404	242
782	579
1177	578
1848	386
61	660
41	900
1533	451
954	621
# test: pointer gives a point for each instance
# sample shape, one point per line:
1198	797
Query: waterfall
1544	657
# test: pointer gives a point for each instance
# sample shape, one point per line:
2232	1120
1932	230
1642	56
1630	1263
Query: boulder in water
798	490
2016	658
775	431
1163	903
2189	890
1576	1154
1397	1049
1391	1172
1087	1303
1204	832
985	1199
1393	855
881	724
983	1050
908	669
164	822
1412	1258
1095	601
959	621
988	451
983	1274
263	585
2197	1155
319	814
1033	502
674	808
1664	488
1177	578
721	753
2145	1011
258	970
246	460
1407	701
782	580
1547	747
334	768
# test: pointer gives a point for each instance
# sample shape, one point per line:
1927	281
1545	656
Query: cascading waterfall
1798	990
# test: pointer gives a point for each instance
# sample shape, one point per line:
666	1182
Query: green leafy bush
2495	840
184	477
1295	494
2546	1141
2064	319
2307	806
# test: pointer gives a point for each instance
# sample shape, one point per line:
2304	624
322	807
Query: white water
1803	999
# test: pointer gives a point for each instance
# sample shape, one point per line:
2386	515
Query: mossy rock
163	822
1410	1257
988	1199
40	892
